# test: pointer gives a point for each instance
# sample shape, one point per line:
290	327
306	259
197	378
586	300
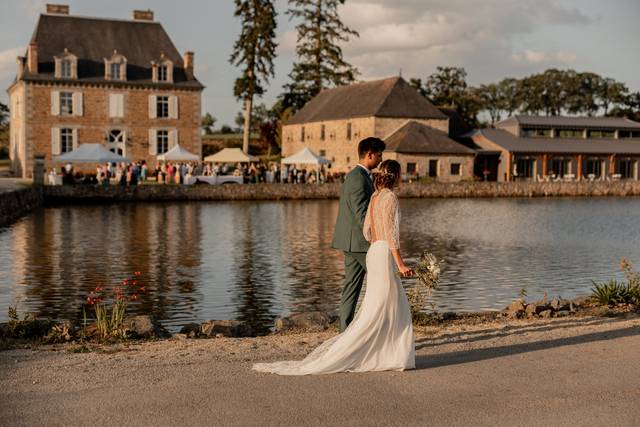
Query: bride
380	338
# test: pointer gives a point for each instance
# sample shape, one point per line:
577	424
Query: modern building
121	83
557	147
416	132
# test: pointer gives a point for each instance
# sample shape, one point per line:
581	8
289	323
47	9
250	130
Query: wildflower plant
110	307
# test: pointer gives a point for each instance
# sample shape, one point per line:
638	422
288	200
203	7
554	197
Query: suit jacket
354	201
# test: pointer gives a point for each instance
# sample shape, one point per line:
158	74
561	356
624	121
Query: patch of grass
82	348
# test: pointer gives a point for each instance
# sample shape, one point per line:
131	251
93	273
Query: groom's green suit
348	236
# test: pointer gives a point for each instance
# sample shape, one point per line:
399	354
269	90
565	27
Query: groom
348	236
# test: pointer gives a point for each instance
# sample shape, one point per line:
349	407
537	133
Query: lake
255	261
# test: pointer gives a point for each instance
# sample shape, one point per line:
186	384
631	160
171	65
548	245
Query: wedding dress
380	337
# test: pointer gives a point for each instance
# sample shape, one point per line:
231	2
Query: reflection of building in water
256	269
61	254
314	270
174	248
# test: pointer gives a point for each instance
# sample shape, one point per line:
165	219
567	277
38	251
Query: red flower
136	273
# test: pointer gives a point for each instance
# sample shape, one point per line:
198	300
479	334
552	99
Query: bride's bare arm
402	267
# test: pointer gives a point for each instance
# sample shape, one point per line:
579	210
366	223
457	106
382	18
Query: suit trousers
355	267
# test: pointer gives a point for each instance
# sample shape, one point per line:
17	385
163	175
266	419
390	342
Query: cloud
418	35
538	57
8	61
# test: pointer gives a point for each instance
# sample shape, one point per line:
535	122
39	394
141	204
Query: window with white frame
66	103
163	73
65	65
115	68
162	106
116	71
66	140
162	141
65	69
116	142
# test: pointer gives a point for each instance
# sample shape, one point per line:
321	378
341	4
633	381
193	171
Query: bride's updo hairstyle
388	172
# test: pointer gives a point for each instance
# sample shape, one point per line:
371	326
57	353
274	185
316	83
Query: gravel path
573	371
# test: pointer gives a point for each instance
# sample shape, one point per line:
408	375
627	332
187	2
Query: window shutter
55	141
55	103
153	142
173	107
121	105
152	107
77	104
113	108
75	138
58	68
173	138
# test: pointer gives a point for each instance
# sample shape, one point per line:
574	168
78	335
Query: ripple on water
255	261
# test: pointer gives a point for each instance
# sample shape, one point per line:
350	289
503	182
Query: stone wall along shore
155	193
16	203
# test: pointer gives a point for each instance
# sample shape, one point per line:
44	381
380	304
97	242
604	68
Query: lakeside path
571	371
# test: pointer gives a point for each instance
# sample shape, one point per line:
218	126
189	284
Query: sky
491	39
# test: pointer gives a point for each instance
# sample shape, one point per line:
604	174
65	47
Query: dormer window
116	71
162	73
162	70
116	67
66	65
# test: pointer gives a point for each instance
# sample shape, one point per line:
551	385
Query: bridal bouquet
427	271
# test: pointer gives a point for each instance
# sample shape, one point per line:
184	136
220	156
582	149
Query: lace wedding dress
380	338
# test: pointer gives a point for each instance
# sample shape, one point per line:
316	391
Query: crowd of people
180	173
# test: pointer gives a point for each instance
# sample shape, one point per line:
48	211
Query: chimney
32	58
20	63
187	59
58	9
143	15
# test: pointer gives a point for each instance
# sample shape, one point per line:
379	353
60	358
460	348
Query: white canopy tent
91	153
177	154
230	155
306	157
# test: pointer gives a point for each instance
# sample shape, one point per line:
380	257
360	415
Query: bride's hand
405	271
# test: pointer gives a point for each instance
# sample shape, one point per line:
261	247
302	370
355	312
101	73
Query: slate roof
392	97
418	138
571	122
512	143
93	39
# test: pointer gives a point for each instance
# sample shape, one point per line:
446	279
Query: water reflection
255	261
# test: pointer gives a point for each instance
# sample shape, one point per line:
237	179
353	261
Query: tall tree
447	87
255	50
611	92
207	123
510	89
320	63
493	100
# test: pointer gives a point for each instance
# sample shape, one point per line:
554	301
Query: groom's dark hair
370	145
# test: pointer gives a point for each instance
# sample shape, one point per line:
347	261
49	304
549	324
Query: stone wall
158	193
14	204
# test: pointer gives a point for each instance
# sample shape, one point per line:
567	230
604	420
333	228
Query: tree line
552	92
